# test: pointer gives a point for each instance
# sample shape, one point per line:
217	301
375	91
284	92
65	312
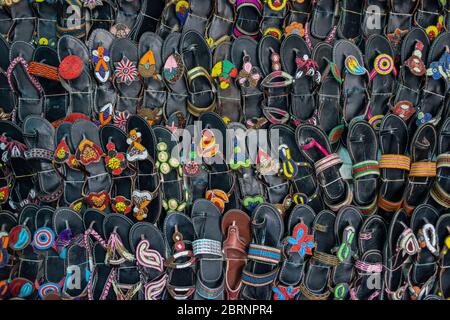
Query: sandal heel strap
423	169
387	205
327	162
365	168
207	246
258	280
443	161
395	161
440	195
264	254
370	209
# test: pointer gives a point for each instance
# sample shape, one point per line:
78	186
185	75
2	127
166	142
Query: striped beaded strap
443	160
423	169
387	205
313	296
365	168
395	161
440	195
207	246
327	162
208	293
258	280
368	267
326	258
370	209
264	254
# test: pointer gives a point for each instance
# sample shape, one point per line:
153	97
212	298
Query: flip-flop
75	75
150	68
247	18
235	228
315	283
297	61
439	193
115	146
170	171
179	234
295	168
142	152
264	253
401	244
430	108
298	246
349	61
127	82
220	27
347	226
316	149
7	260
362	144
67	167
99	45
228	94
85	138
328	115
207	249
197	61
148	245
394	164
276	83
399	21
20	80
251	190
45	25
423	272
379	61
244	55
423	167
414	53
350	17
101	17
5	22
45	62
297	17
173	74
173	17
40	137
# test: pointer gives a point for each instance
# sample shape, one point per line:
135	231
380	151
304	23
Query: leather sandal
197	61
423	168
247	18
362	144
350	16
273	13
379	60
315	283
423	271
198	15
316	149
148	245
7	260
150	67
220	26
40	138
264	253
443	232
322	25
124	58
244	55
179	234
298	246
207	249
141	153
24	22
7	110
349	61
236	232
394	164
127	13
429	16
296	17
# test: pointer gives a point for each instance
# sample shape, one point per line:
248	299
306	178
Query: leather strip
395	161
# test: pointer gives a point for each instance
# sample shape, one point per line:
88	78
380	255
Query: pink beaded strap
369	267
11	68
327	162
